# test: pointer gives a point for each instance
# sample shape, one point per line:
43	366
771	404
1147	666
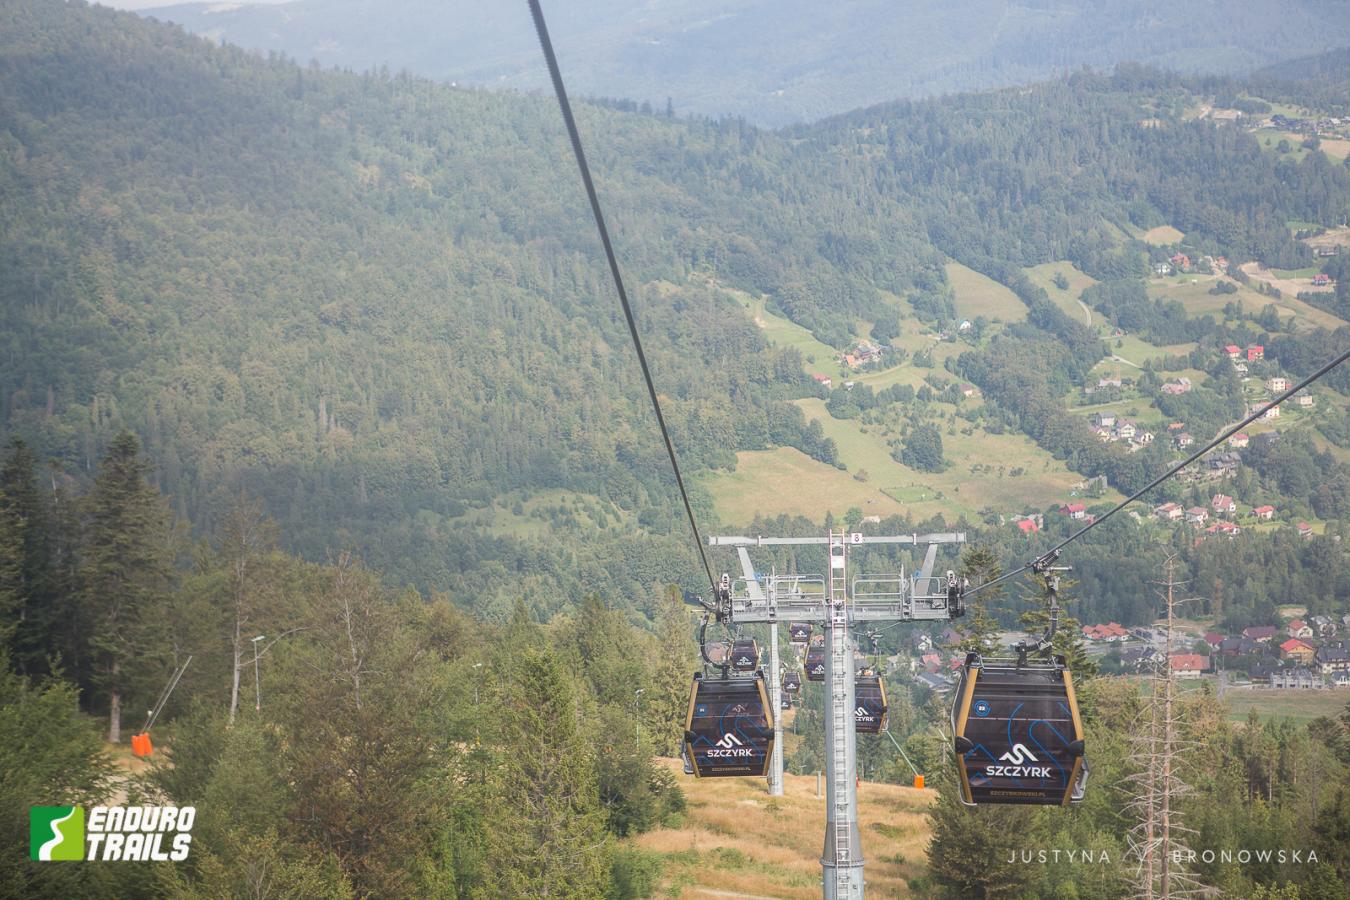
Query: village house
967	390
1260	633
1277	384
1188	665
1323	626
1297	678
1223	505
1169	512
1299	629
1197	515
822	379
1140	658
1305	400
1255	353
1181	261
1239	440
1305	530
1143	437
1321	279
1181	386
1162	268
1224	529
1271	413
1232	351
1126	430
921	642
1333	658
1297	650
1264	512
1214	639
1074	510
1184	439
1238	646
1027	526
1104	420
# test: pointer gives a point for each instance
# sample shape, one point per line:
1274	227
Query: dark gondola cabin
869	711
792	682
1018	735
799	632
815	660
744	655
729	729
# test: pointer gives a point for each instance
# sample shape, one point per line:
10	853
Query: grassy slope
1065	299
979	295
737	841
1192	292
1162	235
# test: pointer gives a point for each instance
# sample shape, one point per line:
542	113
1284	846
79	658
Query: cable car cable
1047	558
556	75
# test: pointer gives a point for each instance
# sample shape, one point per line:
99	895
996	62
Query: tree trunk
115	710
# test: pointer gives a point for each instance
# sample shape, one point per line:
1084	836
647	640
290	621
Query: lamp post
257	681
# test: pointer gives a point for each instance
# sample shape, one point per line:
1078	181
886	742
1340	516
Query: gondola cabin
1018	735
729	729
792	683
869	713
744	655
815	660
799	632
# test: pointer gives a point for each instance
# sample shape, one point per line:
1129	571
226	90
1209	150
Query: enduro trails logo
111	833
55	833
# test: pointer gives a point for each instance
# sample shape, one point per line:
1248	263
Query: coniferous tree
125	576
546	838
979	566
674	666
25	561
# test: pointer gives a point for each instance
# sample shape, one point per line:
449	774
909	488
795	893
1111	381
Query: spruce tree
546	836
979	566
673	669
27	600
125	574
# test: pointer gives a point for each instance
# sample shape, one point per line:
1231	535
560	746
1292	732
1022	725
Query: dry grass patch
1162	235
738	841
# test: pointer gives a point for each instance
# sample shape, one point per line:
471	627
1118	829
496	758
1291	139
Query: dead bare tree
1157	839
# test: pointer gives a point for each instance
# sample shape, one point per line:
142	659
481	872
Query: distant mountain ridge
779	62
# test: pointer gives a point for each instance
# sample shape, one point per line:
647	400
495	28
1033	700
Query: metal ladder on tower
842	657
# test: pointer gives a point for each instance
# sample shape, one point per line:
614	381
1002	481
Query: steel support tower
836	604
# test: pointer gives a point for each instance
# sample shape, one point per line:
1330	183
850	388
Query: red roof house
1028	526
1255	352
1188	665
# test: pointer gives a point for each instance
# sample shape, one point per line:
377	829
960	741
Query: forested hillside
774	63
376	303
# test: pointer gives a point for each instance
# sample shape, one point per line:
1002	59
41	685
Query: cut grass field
787	481
1300	706
1065	298
1162	235
958	488
979	295
737	841
819	358
1192	292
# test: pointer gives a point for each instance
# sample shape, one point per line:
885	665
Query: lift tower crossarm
944	537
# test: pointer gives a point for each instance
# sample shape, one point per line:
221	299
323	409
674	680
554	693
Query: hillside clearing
979	295
1066	299
1162	235
737	841
787	481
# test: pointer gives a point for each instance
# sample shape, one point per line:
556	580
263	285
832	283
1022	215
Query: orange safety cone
918	782
140	744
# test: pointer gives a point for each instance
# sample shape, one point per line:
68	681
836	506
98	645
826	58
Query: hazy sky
151	4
